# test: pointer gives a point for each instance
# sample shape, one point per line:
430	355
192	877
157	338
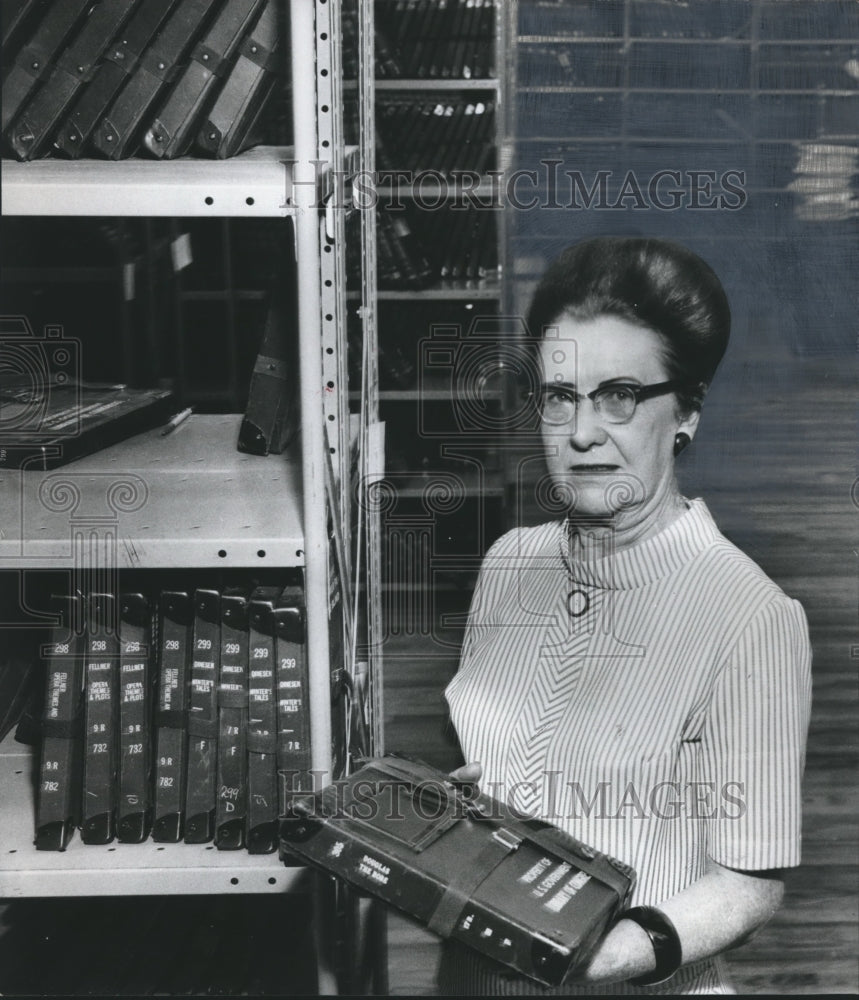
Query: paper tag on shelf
128	286
180	249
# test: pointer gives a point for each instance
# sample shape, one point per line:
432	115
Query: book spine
58	795
173	131
174	660
134	808
34	60
118	132
231	803
101	711
232	117
74	68
293	712
120	61
262	723
203	718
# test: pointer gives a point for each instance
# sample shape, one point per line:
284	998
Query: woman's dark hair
649	282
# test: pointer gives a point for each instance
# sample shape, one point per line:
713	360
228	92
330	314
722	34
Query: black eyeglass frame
640	393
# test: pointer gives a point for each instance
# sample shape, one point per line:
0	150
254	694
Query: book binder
134	808
48	416
271	417
119	63
118	133
101	711
58	795
15	17
262	723
203	718
34	59
174	660
293	713
229	125
231	805
465	865
175	126
37	123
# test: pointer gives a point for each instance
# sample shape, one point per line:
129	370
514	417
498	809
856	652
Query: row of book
180	716
111	78
445	246
446	135
435	39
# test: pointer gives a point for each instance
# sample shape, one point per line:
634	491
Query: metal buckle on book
508	839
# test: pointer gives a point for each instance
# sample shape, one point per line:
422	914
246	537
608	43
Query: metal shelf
189	499
257	182
147	869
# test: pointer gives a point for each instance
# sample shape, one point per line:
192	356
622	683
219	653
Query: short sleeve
480	602
753	742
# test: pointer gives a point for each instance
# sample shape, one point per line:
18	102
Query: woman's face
608	467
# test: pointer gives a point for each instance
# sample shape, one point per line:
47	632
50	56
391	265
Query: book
136	671
465	866
17	689
231	805
37	123
58	793
271	418
175	618
262	722
229	125
293	711
203	718
118	133
120	60
48	415
33	60
176	123
101	721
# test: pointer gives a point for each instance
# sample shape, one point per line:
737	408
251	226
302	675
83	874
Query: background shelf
199	503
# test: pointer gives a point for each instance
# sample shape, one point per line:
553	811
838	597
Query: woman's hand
721	910
624	953
468	774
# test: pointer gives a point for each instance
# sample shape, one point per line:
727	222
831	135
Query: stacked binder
425	38
418	250
427	132
180	715
114	78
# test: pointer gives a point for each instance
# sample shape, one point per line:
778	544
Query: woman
627	673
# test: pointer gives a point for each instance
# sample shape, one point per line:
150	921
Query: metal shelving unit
192	500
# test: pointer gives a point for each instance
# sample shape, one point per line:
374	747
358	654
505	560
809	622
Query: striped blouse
653	702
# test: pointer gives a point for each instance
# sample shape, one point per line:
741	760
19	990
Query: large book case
442	65
201	504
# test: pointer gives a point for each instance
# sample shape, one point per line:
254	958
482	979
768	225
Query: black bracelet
663	937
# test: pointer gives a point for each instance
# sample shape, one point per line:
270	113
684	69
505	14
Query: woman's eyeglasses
614	403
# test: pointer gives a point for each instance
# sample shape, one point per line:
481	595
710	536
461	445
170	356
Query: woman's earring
681	441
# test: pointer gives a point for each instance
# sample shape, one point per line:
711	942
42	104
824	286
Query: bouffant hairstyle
653	283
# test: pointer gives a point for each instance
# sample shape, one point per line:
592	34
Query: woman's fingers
467	773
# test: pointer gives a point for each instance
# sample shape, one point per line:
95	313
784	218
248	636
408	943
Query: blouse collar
647	561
